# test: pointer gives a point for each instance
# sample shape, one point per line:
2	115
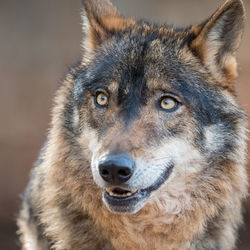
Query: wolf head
151	109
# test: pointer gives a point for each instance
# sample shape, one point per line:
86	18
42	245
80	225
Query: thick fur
201	144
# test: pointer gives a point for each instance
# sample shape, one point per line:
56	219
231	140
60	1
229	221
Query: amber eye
168	103
102	98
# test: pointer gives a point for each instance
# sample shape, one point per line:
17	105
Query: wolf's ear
100	20
218	38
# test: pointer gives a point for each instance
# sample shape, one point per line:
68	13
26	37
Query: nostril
124	172
105	173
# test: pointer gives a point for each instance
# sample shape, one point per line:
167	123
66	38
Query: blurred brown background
39	39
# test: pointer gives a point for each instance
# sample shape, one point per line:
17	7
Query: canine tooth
109	190
133	191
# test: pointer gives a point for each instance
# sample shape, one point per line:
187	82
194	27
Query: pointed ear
217	40
100	19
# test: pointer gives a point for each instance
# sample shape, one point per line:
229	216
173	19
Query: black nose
116	169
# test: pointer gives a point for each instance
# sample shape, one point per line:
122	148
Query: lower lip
127	200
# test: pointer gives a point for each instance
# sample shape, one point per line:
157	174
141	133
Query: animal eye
168	103
101	99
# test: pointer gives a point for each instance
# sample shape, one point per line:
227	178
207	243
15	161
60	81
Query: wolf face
152	104
145	118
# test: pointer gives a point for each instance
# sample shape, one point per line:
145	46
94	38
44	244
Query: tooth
109	190
128	193
133	191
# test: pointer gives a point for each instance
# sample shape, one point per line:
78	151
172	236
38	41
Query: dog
146	148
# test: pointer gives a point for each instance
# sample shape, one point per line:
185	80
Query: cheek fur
186	159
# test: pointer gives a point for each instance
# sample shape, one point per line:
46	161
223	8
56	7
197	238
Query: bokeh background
39	40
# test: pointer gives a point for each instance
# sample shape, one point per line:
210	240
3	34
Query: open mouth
122	200
120	193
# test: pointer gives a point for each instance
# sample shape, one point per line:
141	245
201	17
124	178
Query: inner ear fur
218	38
100	20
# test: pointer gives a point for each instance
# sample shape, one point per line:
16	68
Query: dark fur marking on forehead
133	89
122	62
124	55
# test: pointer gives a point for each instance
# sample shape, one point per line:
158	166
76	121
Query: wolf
147	144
